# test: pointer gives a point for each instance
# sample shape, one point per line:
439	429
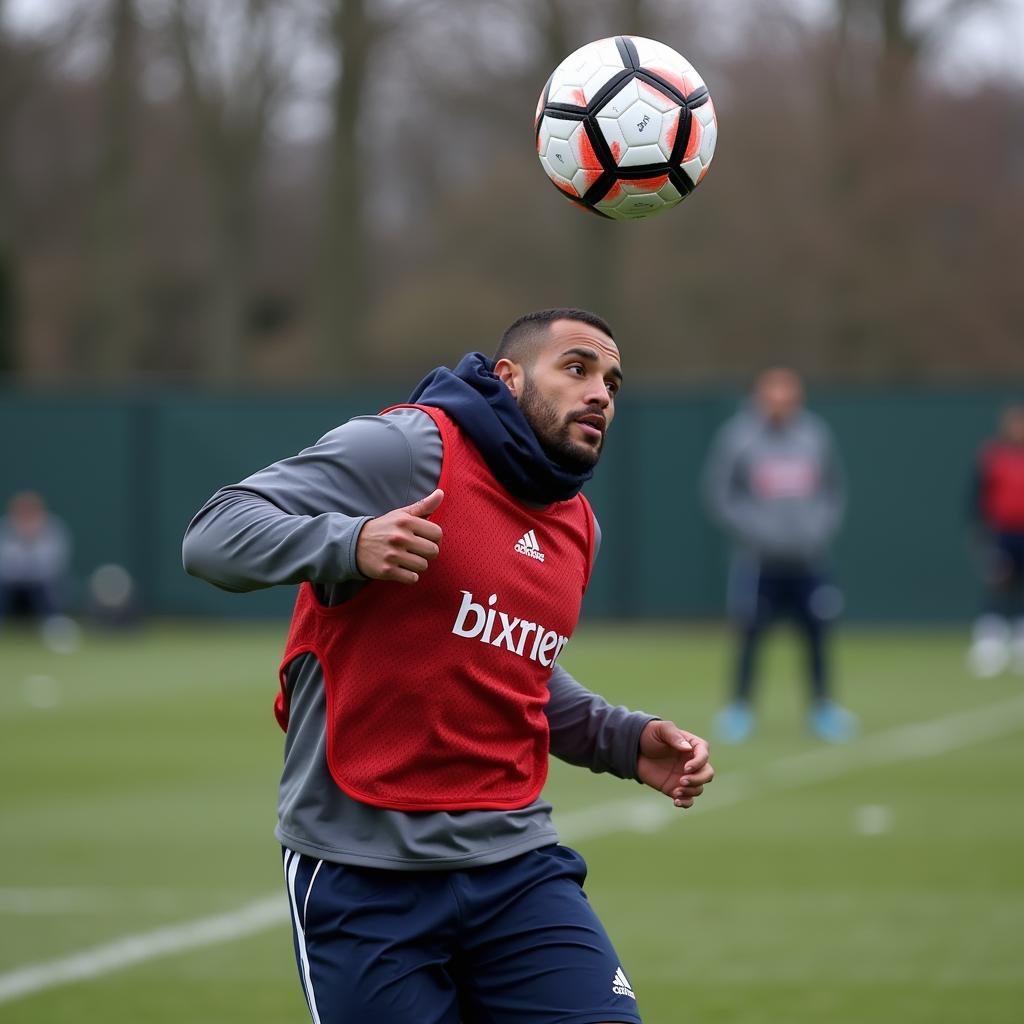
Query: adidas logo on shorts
621	985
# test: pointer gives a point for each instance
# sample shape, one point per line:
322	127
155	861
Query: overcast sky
989	42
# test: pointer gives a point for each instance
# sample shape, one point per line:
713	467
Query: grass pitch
879	881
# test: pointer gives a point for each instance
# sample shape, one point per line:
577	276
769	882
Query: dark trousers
761	595
1004	574
27	600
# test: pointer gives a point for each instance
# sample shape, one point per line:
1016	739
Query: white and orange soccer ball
626	127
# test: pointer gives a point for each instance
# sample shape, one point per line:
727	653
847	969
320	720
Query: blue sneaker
735	722
831	722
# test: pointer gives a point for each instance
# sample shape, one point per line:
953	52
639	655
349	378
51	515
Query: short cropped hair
524	336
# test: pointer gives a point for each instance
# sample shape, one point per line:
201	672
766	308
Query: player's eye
577	367
612	386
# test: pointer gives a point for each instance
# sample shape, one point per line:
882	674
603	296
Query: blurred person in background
35	556
998	512
421	695
773	481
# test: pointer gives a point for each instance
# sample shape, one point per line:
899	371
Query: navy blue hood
482	405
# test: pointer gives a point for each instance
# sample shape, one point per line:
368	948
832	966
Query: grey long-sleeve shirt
778	490
299	520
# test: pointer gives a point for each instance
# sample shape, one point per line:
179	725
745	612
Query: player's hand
400	545
674	762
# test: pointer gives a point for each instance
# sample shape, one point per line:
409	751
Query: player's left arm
833	483
588	731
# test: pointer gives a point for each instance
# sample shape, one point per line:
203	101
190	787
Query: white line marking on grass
43	901
904	743
52	901
136	949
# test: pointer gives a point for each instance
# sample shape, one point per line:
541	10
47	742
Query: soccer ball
626	127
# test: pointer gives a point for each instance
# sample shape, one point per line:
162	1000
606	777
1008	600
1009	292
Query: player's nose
596	394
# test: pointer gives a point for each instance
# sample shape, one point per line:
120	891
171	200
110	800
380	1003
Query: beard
552	431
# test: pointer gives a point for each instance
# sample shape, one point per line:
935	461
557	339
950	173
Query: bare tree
7	288
895	42
341	299
841	228
234	69
25	72
594	249
600	251
115	323
18	63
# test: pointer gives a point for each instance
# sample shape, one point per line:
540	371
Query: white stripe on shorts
305	902
291	867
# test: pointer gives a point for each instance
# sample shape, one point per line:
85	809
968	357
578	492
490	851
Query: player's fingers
701	753
688	782
405	534
659	735
402	526
426	505
699	778
426	529
424	548
697	741
684	790
687	793
411	562
396	574
400	566
671	735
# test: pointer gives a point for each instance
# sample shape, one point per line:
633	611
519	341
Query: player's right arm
302	518
723	497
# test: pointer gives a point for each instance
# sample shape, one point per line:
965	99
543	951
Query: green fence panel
202	444
82	456
127	474
904	551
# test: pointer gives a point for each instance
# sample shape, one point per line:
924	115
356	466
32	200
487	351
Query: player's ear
510	374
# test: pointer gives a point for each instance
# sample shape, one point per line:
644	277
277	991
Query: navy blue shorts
1007	558
761	594
511	943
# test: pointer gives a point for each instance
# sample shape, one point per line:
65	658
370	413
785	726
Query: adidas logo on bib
621	985
527	545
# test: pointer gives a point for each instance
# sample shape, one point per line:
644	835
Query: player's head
778	394
562	367
27	513
1012	424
